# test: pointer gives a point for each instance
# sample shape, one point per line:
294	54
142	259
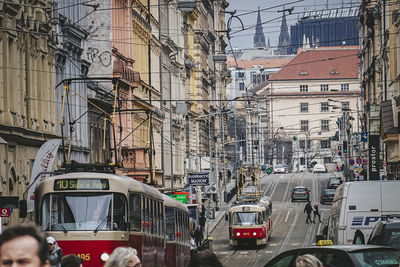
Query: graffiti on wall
95	56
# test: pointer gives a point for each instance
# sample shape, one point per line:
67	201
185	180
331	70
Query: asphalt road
289	227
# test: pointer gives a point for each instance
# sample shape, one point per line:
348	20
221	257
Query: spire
259	38
284	39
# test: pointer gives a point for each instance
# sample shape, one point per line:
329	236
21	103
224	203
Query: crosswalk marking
295	244
222	252
272	244
269	252
243	252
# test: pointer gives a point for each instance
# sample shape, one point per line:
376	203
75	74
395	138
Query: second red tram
250	223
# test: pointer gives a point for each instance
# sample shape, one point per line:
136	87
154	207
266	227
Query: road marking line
269	251
287	216
295	244
273	244
243	252
223	252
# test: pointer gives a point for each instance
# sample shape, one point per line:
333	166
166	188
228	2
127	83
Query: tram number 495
85	257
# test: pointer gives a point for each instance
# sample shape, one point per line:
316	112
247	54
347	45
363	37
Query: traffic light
339	150
344	146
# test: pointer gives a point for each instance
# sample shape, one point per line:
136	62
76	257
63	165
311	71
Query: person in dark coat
198	236
308	209
55	252
316	212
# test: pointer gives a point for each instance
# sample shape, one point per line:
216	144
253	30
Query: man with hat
55	252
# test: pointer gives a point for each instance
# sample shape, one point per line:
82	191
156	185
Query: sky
271	17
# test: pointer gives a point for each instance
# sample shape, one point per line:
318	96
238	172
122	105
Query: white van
359	205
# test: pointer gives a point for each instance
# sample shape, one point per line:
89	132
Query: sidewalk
219	215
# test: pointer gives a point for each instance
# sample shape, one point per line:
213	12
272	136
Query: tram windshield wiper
101	223
57	223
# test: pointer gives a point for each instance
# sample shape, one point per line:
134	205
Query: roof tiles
320	64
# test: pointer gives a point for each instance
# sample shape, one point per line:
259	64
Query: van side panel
360	205
390	197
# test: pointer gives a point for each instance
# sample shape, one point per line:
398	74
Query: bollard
210	241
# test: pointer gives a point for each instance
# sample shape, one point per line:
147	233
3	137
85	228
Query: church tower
259	38
284	39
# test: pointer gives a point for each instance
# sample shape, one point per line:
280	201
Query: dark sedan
300	193
334	182
341	256
327	196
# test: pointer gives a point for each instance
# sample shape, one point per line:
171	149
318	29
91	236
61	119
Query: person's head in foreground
23	245
308	260
123	257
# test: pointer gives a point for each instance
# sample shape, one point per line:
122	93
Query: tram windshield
90	212
246	218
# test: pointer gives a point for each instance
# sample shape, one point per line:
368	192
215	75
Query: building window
254	78
304	126
345	106
240	75
324	88
344	87
324	106
302	144
303	88
325	144
241	86
324	125
303	107
302	161
327	160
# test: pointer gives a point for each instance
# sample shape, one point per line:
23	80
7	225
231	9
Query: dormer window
334	72
303	73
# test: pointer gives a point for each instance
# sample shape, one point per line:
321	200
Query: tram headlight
237	234
254	233
104	256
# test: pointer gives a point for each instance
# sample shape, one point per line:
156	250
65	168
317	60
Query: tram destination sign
81	184
198	178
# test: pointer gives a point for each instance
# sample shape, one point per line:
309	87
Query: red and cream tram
90	214
250	222
177	252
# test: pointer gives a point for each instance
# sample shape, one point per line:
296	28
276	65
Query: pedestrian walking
55	253
308	209
23	244
308	260
198	236
316	212
123	257
193	247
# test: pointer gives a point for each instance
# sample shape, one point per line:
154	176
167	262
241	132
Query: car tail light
293	193
323	196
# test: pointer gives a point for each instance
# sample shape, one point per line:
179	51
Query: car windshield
279	166
299	189
329	191
394	238
246	218
77	212
379	257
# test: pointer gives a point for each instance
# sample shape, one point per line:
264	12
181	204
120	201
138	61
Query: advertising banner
199	178
43	163
373	157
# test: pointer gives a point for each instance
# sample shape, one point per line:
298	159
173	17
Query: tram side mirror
226	217
23	206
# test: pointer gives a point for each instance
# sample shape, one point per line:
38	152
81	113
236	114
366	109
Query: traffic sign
351	162
269	171
5	212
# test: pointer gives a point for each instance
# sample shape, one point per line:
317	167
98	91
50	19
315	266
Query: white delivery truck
359	205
